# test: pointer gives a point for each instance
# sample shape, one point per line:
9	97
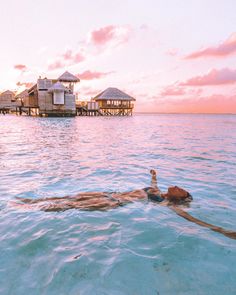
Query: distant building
56	98
110	102
114	102
8	101
52	97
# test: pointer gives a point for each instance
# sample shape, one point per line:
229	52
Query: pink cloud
103	35
20	67
76	57
173	90
216	103
88	75
56	65
214	77
25	84
228	47
89	91
172	52
110	33
176	90
67	55
66	59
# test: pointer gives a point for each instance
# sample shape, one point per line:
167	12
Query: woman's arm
154	178
185	215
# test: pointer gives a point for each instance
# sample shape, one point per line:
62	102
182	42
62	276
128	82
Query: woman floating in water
103	201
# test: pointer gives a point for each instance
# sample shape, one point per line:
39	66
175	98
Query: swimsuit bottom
117	201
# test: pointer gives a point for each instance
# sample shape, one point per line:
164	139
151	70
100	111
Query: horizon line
183	113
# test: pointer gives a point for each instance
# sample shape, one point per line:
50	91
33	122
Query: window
58	97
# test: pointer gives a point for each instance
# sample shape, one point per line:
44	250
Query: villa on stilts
50	97
8	102
110	102
56	98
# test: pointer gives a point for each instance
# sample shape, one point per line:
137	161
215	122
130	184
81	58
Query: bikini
153	197
117	201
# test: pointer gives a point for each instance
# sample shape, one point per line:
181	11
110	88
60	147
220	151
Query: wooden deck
4	110
104	111
29	111
80	111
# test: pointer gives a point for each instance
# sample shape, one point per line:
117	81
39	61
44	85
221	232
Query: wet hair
181	201
189	197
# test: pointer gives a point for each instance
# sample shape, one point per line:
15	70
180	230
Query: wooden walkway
80	111
83	111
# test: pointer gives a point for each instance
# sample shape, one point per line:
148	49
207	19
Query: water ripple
141	248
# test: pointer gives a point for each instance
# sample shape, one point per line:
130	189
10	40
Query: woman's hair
178	195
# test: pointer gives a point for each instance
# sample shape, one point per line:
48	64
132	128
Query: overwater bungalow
7	101
51	97
27	104
26	100
56	98
115	102
110	102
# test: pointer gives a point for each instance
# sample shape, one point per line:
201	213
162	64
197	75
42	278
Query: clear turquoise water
142	248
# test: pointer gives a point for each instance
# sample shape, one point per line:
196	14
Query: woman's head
178	195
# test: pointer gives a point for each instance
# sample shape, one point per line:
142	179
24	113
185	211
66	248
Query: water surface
142	248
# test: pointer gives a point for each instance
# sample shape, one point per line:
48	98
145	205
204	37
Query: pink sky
172	56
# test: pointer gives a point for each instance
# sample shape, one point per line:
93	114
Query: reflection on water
136	249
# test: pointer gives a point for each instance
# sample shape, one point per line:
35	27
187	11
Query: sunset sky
172	55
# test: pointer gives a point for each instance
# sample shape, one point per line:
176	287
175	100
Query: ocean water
139	249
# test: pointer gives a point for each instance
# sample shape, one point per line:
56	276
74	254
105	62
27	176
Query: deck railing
116	106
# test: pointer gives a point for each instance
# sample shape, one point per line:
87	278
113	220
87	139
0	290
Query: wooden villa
56	98
8	102
26	104
50	97
110	102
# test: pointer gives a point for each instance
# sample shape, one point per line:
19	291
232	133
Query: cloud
109	34
228	47
172	52
214	77
68	58
78	57
20	67
56	65
89	75
73	57
89	91
176	90
173	90
68	55
215	103
25	84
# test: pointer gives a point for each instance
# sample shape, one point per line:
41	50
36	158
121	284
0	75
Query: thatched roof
68	77
57	87
113	93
